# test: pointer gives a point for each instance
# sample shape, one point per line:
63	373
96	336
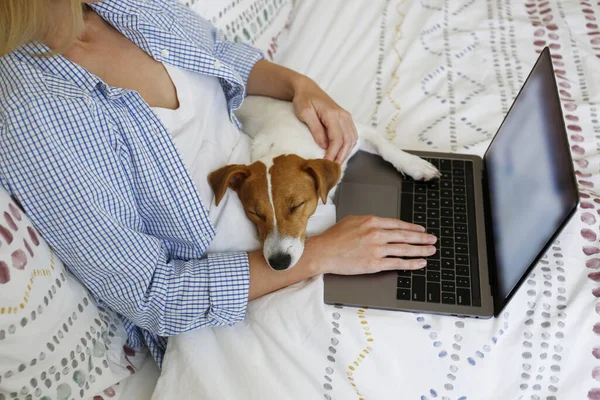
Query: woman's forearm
272	80
264	280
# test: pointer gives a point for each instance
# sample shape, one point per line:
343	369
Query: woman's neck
60	27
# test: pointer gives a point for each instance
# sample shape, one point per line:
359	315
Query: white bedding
431	74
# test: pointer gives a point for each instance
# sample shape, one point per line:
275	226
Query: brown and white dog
288	176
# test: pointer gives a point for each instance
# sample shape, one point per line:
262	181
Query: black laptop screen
532	189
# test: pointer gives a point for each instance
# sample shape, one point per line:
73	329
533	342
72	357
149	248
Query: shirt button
164	53
217	64
206	236
181	181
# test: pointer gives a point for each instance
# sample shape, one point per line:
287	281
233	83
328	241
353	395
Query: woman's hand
331	126
355	245
368	244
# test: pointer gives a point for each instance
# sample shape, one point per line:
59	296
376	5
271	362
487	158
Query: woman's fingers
390	263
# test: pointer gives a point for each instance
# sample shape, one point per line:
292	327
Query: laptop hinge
490	248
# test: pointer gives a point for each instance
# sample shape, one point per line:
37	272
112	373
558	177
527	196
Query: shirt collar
62	67
58	65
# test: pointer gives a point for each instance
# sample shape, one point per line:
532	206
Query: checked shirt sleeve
96	228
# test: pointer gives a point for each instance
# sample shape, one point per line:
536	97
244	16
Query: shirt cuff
229	285
241	57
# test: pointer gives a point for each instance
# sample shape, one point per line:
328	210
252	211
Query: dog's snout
280	261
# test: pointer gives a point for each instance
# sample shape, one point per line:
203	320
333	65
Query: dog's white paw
419	169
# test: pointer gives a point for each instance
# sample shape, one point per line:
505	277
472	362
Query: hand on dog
331	126
368	244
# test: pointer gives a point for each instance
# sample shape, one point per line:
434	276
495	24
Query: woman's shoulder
27	98
20	83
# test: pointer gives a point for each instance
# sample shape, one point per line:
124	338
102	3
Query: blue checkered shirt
101	178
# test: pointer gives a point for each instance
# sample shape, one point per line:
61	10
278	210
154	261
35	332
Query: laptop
494	217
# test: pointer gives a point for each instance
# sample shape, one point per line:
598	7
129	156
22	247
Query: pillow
259	23
55	343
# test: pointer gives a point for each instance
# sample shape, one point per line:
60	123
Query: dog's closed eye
296	207
257	214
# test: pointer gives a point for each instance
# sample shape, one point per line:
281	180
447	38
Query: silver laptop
493	217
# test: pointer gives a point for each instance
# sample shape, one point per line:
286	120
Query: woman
112	115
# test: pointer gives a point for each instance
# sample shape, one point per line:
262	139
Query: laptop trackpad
367	199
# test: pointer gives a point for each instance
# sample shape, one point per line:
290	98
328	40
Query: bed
430	75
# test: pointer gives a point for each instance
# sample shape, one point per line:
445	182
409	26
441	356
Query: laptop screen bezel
499	302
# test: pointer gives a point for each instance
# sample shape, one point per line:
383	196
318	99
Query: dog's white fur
276	131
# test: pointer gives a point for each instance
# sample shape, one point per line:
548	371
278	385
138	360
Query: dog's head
279	199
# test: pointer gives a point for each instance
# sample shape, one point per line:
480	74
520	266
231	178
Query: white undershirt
208	140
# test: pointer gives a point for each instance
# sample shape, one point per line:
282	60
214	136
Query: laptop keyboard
446	208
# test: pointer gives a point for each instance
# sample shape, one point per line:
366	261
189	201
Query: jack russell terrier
288	176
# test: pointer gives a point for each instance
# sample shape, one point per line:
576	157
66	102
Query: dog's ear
326	174
232	176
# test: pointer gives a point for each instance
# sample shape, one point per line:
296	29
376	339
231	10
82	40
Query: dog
288	177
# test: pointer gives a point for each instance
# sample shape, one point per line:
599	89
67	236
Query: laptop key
420	271
447	231
433	276
447	203
460	208
445	165
448	298
434	232
463	296
447	212
446	193
420	207
448	286
433	265
433	185
458	171
458	180
403	294
463	282
447	242
404	272
447	263
447	274
458	164
459	190
435	162
460	198
420	198
446	184
460	228
433	203
433	223
461	248
406	207
421	217
447	221
433	213
461	238
433	292
462	259
420	188
433	194
418	288
448	253
460	218
463	270
404	282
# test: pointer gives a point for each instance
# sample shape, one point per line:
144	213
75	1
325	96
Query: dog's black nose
280	261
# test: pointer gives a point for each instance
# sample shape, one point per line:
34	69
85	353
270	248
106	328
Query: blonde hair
23	21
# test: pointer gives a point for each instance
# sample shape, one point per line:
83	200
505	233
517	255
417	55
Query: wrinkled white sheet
431	74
